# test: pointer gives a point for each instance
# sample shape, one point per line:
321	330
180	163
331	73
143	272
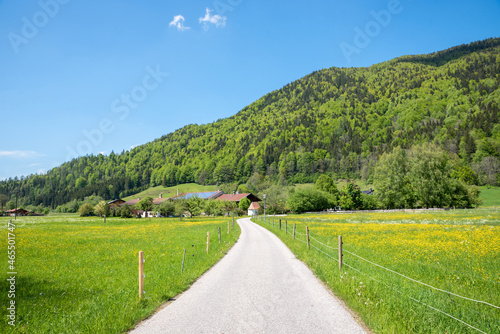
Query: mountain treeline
337	121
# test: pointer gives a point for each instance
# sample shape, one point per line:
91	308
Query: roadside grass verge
79	275
455	251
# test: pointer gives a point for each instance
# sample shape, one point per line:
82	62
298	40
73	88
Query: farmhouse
159	200
17	212
202	195
207	195
238	197
116	203
131	202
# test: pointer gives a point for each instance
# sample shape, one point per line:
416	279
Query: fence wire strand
414	299
422	283
456	272
319	242
324	252
301	240
297	232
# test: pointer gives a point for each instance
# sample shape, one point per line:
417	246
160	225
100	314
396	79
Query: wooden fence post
208	241
141	274
294	230
280	224
286	227
307	235
183	258
219	234
340	252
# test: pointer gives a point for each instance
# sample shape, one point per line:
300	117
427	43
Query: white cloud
178	22
34	165
19	154
42	171
219	21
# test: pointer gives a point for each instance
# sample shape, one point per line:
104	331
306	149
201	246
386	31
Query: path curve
258	287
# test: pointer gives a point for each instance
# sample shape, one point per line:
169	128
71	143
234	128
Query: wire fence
338	258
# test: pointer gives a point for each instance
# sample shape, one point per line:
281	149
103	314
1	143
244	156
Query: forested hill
336	120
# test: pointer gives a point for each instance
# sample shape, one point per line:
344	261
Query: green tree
213	207
85	209
228	207
429	175
81	182
310	200
474	192
369	202
180	207
102	209
194	205
167	208
350	197
125	211
459	194
11	205
325	183
244	204
223	173
391	180
277	198
242	189
145	204
3	201
464	174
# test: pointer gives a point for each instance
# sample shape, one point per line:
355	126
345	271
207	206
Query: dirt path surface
258	287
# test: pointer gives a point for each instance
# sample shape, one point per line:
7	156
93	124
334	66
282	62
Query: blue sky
80	77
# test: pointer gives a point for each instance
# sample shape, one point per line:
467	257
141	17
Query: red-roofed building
253	209
216	195
116	203
238	197
131	202
17	212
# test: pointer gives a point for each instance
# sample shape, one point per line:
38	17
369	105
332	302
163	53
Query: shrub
85	209
311	200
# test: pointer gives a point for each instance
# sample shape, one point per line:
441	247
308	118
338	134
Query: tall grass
79	275
456	251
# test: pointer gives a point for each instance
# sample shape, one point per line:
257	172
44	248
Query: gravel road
258	287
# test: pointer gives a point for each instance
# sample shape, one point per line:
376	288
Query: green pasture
168	192
79	275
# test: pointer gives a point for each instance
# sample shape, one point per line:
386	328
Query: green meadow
490	196
171	191
449	258
79	275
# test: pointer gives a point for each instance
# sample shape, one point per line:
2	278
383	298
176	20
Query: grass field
171	191
490	196
79	275
455	251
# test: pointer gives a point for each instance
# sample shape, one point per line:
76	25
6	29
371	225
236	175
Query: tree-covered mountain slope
336	120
